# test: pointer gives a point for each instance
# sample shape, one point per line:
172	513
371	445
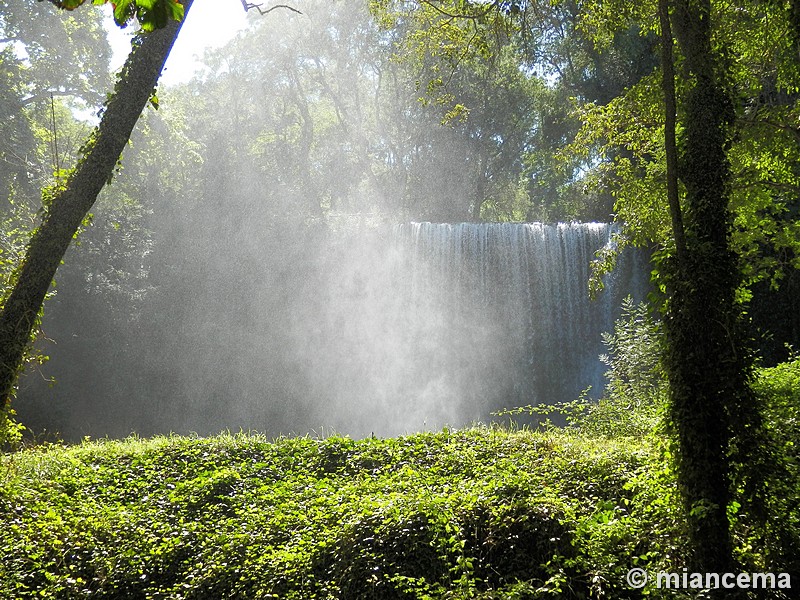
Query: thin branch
55	138
489	7
791	129
670	123
43	95
463	56
263	11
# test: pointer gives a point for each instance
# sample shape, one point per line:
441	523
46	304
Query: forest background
308	122
303	124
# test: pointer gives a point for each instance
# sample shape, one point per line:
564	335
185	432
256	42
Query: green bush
779	388
480	513
636	389
779	391
484	513
10	430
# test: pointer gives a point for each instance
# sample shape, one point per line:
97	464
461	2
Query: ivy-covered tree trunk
708	364
68	208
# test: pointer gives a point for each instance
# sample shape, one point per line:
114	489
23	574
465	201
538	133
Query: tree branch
793	130
47	93
263	11
489	7
670	122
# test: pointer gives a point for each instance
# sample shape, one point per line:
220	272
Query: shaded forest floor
476	513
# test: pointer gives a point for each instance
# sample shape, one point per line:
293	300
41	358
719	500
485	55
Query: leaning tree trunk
67	210
707	363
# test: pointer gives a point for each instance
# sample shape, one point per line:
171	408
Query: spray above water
353	328
424	325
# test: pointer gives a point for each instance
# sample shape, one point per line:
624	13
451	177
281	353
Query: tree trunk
480	186
670	123
707	362
67	210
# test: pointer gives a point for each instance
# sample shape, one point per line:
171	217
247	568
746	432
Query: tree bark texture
707	362
69	207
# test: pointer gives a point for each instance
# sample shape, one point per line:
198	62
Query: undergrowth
478	513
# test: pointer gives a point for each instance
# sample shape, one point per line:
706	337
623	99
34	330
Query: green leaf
123	11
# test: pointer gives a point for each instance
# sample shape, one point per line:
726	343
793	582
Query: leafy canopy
151	14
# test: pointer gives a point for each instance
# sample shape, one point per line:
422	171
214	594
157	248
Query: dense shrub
10	430
481	513
636	389
779	390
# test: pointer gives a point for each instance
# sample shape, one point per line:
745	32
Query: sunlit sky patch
210	24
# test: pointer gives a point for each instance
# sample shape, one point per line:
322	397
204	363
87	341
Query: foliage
779	389
50	67
636	390
737	228
68	209
481	513
755	42
64	54
475	71
10	430
441	41
151	14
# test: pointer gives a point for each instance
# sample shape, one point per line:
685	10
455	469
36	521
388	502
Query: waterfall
440	324
354	328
